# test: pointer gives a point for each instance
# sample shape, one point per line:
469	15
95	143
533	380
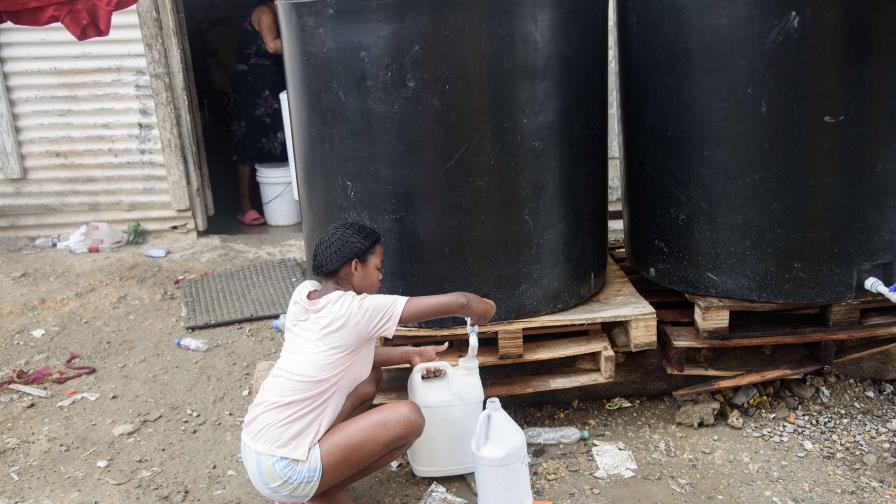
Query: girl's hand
483	312
429	353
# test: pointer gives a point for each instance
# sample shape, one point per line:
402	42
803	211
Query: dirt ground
120	311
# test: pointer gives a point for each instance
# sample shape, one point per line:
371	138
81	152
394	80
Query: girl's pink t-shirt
327	351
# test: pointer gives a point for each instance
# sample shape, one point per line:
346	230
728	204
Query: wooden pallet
681	347
617	304
717	317
547	364
794	369
567	362
740	340
563	350
713	315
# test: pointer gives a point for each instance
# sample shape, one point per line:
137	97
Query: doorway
213	28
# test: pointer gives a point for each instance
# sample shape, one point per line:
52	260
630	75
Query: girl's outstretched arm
393	356
454	304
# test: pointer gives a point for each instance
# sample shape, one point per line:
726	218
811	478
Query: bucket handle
287	186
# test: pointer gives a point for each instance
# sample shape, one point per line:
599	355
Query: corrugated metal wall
86	125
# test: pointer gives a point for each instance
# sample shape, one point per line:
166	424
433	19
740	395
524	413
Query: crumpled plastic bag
93	237
437	494
613	460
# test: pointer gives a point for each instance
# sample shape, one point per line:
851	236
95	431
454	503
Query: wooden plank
510	344
864	350
414	340
701	370
534	351
687	337
750	378
617	301
10	157
710	302
527	384
511	386
796	368
167	113
850	312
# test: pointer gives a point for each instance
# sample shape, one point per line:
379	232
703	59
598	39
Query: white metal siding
86	125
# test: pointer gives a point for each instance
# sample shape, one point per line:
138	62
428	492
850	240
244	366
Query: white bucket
275	183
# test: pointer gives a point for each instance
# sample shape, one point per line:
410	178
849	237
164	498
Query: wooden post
10	158
166	108
839	314
711	320
641	333
608	363
510	344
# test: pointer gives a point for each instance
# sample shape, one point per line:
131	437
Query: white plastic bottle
500	458
555	435
199	345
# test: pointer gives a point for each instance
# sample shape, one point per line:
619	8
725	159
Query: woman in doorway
257	82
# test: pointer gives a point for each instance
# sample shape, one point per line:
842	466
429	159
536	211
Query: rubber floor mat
252	292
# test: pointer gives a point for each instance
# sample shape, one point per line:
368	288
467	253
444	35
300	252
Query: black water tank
760	145
472	134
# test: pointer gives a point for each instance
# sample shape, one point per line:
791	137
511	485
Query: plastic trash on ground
155	253
437	494
195	344
554	435
618	403
77	397
93	237
613	460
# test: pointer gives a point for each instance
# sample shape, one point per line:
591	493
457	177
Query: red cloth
85	19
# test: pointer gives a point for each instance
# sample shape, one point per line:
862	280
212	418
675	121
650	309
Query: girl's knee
411	418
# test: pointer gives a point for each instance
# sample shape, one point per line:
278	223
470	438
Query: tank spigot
473	349
875	285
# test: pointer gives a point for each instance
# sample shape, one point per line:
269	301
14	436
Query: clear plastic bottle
279	324
46	241
555	435
199	345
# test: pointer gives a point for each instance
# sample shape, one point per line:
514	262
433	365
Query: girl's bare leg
362	441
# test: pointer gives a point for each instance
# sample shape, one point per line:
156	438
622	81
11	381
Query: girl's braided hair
343	242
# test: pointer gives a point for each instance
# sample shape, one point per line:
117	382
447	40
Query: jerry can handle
417	372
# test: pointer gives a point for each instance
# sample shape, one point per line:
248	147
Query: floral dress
257	82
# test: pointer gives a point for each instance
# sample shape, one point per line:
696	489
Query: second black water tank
472	134
760	145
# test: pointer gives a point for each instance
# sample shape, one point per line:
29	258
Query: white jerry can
451	404
500	458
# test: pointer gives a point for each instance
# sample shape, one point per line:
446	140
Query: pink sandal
251	218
